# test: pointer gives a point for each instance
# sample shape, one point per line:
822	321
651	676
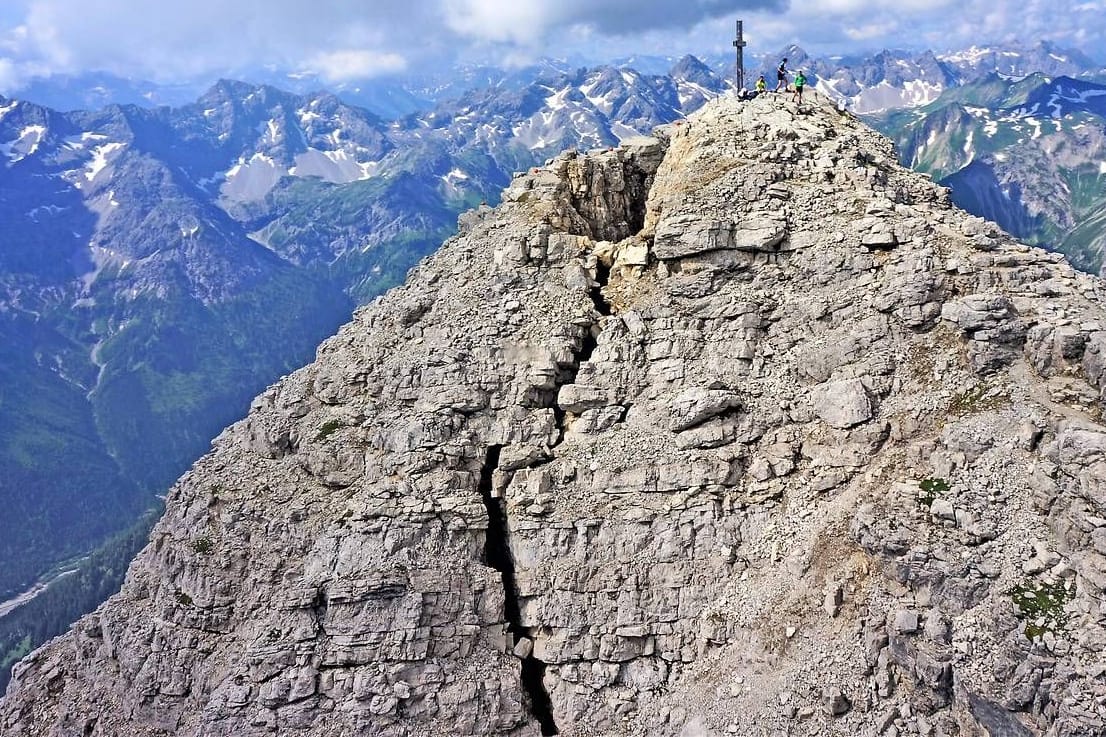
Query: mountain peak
793	53
232	88
689	66
739	426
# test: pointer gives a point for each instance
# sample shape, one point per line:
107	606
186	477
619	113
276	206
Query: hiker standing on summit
800	82
781	76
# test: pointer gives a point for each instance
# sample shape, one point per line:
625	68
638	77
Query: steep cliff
741	429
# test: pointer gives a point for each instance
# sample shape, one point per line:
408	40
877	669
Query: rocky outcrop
741	429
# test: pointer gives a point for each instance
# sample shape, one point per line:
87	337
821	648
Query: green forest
52	612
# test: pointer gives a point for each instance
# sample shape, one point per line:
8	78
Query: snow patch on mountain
918	92
603	103
250	180
556	101
336	167
623	132
24	145
77	143
307	116
882	96
454	176
968	55
1073	96
99	161
692	94
530	133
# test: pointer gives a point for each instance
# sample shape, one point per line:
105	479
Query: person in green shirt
800	82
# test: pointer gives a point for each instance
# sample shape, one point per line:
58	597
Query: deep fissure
497	549
602	277
497	554
589	342
319	606
616	213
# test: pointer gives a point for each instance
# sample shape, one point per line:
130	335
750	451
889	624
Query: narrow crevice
602	277
319	607
497	555
559	417
533	683
589	342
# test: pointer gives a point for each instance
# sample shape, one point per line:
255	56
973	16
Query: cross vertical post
739	68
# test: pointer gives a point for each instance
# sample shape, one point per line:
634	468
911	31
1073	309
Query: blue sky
352	39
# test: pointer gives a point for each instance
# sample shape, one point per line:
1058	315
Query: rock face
742	429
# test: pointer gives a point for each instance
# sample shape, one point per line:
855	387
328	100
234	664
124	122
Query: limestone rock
688	235
640	451
694	406
842	404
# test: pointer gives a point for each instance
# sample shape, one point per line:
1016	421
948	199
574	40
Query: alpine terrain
160	267
741	428
1028	153
147	250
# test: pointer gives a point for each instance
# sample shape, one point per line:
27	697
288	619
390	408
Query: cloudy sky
179	40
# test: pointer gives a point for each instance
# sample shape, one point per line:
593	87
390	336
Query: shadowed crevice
497	555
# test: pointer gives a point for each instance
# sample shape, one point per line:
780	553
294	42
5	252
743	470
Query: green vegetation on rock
1042	606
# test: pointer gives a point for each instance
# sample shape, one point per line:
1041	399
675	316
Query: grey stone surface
842	404
708	471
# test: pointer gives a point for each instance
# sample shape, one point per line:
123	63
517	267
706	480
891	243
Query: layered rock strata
741	429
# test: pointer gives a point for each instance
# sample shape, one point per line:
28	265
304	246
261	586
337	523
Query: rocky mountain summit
740	429
160	267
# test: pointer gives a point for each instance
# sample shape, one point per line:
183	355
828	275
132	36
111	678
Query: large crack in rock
607	193
602	277
497	553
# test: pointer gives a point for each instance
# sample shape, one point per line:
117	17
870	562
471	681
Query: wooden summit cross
739	70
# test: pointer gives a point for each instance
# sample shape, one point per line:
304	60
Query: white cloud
168	40
529	20
870	31
9	76
346	39
347	64
520	22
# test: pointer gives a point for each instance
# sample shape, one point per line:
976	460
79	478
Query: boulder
842	404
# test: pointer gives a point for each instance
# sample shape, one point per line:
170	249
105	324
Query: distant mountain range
387	97
1028	153
885	80
893	80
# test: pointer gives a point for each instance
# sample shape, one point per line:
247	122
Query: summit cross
739	67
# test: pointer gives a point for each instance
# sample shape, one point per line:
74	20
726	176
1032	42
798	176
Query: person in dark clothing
781	76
